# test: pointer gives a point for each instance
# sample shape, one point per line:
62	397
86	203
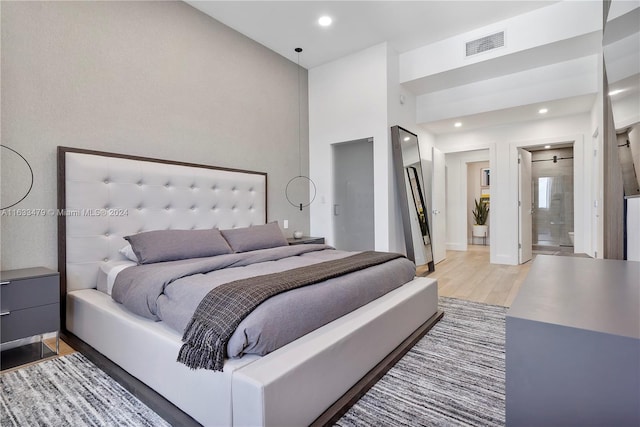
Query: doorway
553	205
462	187
353	208
525	207
547	217
478	191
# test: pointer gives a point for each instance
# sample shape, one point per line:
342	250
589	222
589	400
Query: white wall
502	143
348	101
354	97
402	112
633	229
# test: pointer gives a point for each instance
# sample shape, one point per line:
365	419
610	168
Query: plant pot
480	230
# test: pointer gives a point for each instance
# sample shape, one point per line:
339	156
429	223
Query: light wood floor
63	347
469	275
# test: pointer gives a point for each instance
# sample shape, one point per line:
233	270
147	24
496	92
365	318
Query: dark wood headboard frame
62	225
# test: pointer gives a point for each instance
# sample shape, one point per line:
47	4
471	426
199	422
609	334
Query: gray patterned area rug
455	375
69	391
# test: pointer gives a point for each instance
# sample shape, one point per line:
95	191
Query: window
544	191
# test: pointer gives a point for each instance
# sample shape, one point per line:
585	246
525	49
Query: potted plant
480	215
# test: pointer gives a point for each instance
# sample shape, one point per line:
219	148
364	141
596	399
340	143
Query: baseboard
456	246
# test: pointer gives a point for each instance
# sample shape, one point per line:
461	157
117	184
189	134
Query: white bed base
148	351
295	384
289	387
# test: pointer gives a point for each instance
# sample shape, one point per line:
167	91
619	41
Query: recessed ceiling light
406	138
547	146
543	111
615	92
325	21
457	124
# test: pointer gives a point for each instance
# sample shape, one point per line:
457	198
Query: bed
313	379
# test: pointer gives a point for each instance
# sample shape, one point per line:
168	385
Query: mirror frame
398	165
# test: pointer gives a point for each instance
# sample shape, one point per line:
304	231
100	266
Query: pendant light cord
312	185
298	50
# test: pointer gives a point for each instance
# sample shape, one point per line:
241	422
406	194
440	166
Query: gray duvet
171	291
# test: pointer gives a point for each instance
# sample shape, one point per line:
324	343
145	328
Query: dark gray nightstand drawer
30	321
306	240
25	293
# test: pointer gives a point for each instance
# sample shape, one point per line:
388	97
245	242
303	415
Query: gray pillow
170	245
255	237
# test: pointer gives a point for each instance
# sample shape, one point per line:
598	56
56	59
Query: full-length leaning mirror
621	50
411	194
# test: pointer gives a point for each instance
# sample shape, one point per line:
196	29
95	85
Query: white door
353	220
438	208
524	206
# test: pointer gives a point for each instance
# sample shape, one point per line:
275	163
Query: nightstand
29	306
305	240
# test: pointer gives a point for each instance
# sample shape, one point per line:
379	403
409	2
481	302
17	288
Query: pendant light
299	181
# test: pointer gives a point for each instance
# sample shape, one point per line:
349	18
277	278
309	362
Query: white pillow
108	272
128	252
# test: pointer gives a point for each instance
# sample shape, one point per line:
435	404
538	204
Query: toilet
571	237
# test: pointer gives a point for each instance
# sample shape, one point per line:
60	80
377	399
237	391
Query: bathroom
552	191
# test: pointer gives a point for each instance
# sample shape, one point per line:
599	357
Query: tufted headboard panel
103	197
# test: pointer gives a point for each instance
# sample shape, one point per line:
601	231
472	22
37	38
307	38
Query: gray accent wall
156	79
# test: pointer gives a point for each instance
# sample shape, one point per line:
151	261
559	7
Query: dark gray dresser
573	344
29	306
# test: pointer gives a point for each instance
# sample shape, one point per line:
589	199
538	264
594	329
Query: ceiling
284	25
406	25
556	108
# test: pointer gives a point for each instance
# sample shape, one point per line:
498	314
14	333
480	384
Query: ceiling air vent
485	44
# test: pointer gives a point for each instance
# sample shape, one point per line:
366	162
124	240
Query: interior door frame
597	187
438	205
525	211
581	191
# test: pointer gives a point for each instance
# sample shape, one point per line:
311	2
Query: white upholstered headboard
107	196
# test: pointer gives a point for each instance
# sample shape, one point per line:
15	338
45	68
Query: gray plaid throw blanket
224	307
